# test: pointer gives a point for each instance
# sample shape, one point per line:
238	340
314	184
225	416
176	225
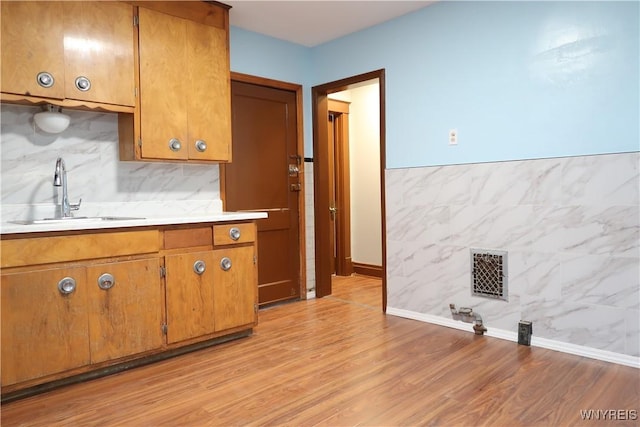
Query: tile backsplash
90	150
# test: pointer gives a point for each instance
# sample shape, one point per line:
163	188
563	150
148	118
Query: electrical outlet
453	137
525	329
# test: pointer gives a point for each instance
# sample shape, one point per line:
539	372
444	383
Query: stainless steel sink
76	219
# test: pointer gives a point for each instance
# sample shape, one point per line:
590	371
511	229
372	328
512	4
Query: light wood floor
338	361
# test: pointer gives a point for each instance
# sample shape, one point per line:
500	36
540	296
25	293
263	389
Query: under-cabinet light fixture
51	120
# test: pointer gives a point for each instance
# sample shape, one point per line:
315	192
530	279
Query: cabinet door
43	330
209	92
98	45
125	310
190	310
163	75
235	287
32	35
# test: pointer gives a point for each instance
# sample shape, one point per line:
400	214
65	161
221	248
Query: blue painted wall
518	80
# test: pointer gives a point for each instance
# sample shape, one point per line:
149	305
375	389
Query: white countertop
8	227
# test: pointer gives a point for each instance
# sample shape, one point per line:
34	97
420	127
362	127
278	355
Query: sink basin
76	219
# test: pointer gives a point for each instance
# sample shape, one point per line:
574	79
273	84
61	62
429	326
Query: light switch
453	137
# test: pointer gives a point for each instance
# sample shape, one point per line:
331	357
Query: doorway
266	175
323	193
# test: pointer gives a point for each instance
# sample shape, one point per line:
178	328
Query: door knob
67	285
174	144
106	281
201	146
333	210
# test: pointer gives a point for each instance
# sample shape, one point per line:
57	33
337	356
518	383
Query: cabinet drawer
45	250
232	234
188	238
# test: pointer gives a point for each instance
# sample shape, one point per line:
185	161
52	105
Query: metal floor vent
489	274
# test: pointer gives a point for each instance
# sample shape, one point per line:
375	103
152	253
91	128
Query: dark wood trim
339	106
321	191
293	87
342	171
367	269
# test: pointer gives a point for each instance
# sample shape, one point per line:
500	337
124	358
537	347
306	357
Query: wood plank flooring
338	361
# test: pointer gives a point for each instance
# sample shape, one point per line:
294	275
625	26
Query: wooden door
209	99
98	45
339	183
46	337
190	311
32	42
265	145
234	294
126	318
163	104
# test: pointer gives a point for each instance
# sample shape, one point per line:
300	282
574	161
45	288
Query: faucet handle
76	206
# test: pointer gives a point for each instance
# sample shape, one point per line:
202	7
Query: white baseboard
592	353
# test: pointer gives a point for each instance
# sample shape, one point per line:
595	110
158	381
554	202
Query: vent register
489	274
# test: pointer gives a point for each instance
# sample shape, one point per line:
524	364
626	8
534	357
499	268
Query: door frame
342	182
293	87
320	110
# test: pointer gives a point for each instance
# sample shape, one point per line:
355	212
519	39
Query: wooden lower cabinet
116	304
220	297
235	290
190	310
43	331
126	318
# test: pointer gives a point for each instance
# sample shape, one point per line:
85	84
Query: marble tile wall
309	227
571	227
90	150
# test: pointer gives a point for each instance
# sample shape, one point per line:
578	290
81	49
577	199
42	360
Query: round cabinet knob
174	144
45	79
83	84
201	145
199	267
234	233
67	285
106	281
225	264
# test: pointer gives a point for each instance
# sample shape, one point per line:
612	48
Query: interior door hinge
255	308
136	20
255	259
164	328
140	142
163	272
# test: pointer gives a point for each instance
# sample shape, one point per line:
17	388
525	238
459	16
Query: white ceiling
309	22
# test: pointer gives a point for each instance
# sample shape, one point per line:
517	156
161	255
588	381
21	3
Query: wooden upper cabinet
32	43
87	49
98	45
185	98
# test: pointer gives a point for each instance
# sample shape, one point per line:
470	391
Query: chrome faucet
60	179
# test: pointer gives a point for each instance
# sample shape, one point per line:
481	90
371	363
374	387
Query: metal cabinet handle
45	79
234	233
225	264
67	285
201	145
106	281
174	144
83	84
199	267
